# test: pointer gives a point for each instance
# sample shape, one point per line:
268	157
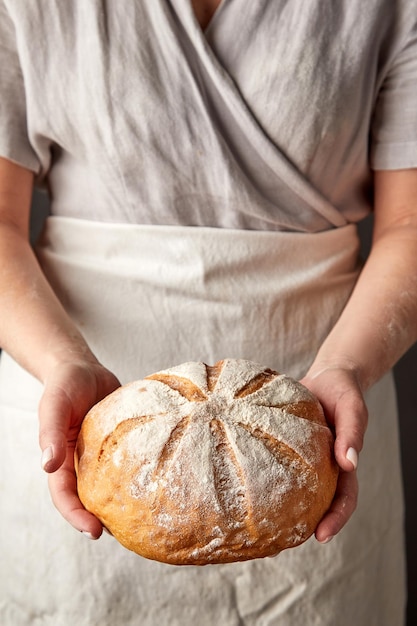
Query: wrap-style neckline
213	18
269	169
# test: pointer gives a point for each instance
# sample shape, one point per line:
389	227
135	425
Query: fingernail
88	535
328	540
47	455
273	556
352	456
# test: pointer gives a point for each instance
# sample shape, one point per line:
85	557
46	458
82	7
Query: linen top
273	118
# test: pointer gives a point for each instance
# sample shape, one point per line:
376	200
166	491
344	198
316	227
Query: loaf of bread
198	464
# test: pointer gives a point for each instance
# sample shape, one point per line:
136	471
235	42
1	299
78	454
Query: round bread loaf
198	464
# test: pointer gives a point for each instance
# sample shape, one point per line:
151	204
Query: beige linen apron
149	297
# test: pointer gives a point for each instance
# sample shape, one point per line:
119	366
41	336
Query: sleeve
394	128
14	140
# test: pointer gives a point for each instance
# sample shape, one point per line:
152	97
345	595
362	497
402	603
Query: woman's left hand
339	392
376	327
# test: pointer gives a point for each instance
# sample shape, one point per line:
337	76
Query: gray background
406	380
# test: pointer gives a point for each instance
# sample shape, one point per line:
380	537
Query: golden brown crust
201	464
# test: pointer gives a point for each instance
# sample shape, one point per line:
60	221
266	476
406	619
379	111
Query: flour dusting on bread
202	464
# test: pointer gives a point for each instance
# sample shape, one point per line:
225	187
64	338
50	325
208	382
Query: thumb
342	399
350	422
55	412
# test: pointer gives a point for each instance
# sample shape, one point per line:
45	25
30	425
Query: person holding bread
207	164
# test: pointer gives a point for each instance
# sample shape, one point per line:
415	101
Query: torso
204	11
252	100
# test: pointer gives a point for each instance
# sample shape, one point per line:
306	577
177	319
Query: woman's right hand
70	390
38	333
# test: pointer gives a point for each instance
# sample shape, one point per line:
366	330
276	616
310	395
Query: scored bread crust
203	464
